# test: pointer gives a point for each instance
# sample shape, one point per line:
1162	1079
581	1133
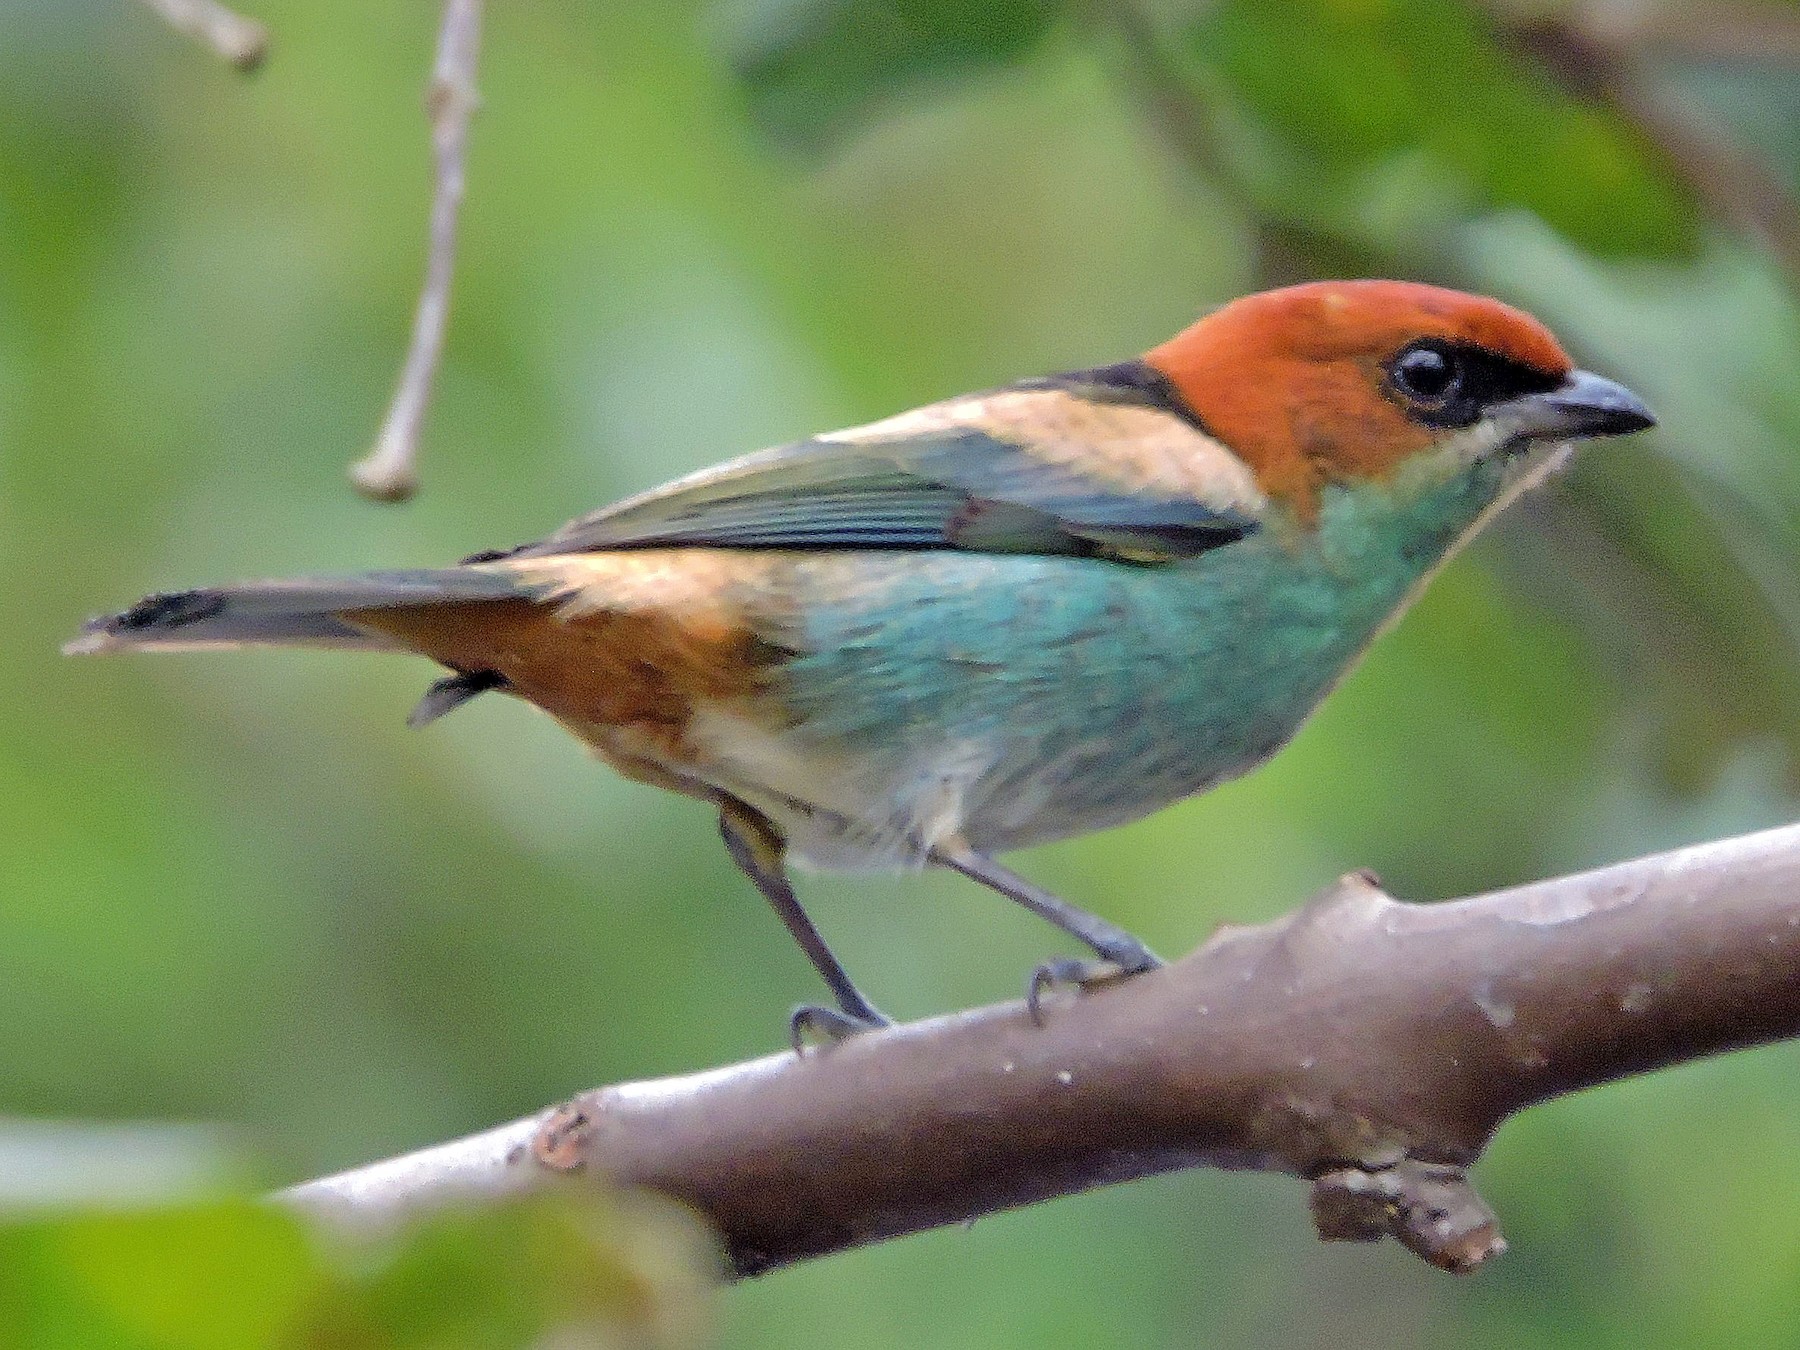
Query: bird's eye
1427	374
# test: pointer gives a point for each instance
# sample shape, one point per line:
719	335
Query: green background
236	890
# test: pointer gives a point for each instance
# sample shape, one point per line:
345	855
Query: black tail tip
168	610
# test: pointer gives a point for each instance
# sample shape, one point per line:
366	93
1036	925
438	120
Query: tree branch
1369	1045
1746	32
1600	54
243	42
390	470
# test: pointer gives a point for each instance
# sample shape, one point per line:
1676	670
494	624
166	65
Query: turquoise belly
1071	694
1102	690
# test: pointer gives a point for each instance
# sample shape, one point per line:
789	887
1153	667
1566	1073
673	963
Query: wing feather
1047	467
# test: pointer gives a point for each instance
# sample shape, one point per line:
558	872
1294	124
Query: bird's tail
302	611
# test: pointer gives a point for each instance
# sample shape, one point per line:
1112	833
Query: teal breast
1017	699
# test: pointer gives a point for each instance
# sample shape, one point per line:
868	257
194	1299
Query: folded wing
1099	463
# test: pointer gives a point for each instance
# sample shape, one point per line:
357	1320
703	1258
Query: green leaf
1357	92
243	1274
814	69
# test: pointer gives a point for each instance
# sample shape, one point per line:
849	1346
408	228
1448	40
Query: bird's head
1344	382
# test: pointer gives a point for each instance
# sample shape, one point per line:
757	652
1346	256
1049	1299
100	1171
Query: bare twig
1368	1045
243	42
390	471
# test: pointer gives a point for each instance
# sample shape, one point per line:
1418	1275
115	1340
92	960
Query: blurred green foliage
1419	91
815	68
224	1275
235	889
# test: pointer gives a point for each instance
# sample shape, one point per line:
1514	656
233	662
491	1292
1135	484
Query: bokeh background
235	890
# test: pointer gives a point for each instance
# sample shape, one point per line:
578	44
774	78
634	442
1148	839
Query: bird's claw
815	1024
1065	972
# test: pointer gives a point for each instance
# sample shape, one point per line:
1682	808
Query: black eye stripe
1452	384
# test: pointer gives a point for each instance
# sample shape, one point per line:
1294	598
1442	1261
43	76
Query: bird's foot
815	1024
1065	972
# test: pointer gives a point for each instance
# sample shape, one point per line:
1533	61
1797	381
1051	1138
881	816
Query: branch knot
1431	1208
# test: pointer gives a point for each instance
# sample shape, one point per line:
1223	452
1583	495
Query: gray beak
1583	405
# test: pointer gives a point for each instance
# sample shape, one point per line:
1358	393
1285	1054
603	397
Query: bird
997	620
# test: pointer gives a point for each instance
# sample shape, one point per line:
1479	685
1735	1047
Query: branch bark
1368	1045
390	471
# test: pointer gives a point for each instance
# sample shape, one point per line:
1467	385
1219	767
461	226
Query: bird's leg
757	847
1120	953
